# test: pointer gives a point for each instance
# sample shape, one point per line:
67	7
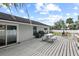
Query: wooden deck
62	47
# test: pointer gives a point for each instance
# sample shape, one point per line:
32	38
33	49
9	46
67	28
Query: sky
47	13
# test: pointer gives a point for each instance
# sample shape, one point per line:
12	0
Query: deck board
64	49
71	51
49	50
56	49
59	48
63	46
74	48
53	49
68	52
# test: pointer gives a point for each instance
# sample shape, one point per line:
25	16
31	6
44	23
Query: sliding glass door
34	30
2	35
11	34
8	34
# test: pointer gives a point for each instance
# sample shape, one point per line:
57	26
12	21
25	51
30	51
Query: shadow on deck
63	46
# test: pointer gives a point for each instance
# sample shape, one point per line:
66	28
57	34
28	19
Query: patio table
49	37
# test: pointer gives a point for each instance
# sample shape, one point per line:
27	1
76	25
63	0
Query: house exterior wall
25	32
10	23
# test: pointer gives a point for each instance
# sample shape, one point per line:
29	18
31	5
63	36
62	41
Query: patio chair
49	38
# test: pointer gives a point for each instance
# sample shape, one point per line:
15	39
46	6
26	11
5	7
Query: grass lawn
57	33
60	33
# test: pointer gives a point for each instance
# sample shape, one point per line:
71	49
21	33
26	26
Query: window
34	29
8	34
11	34
2	35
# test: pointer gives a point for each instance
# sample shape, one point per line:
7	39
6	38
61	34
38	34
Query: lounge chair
49	37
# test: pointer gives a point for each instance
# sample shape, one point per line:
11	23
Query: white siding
25	32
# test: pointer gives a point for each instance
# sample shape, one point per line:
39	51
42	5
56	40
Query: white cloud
51	19
67	14
76	8
46	7
52	7
54	18
25	17
75	14
67	17
22	11
43	12
38	6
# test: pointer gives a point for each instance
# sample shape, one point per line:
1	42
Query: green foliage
57	33
59	25
77	24
16	5
69	21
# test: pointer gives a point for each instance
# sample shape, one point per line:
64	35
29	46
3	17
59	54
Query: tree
63	26
59	25
69	21
16	5
77	24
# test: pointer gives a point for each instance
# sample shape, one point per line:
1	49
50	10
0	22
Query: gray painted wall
25	32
